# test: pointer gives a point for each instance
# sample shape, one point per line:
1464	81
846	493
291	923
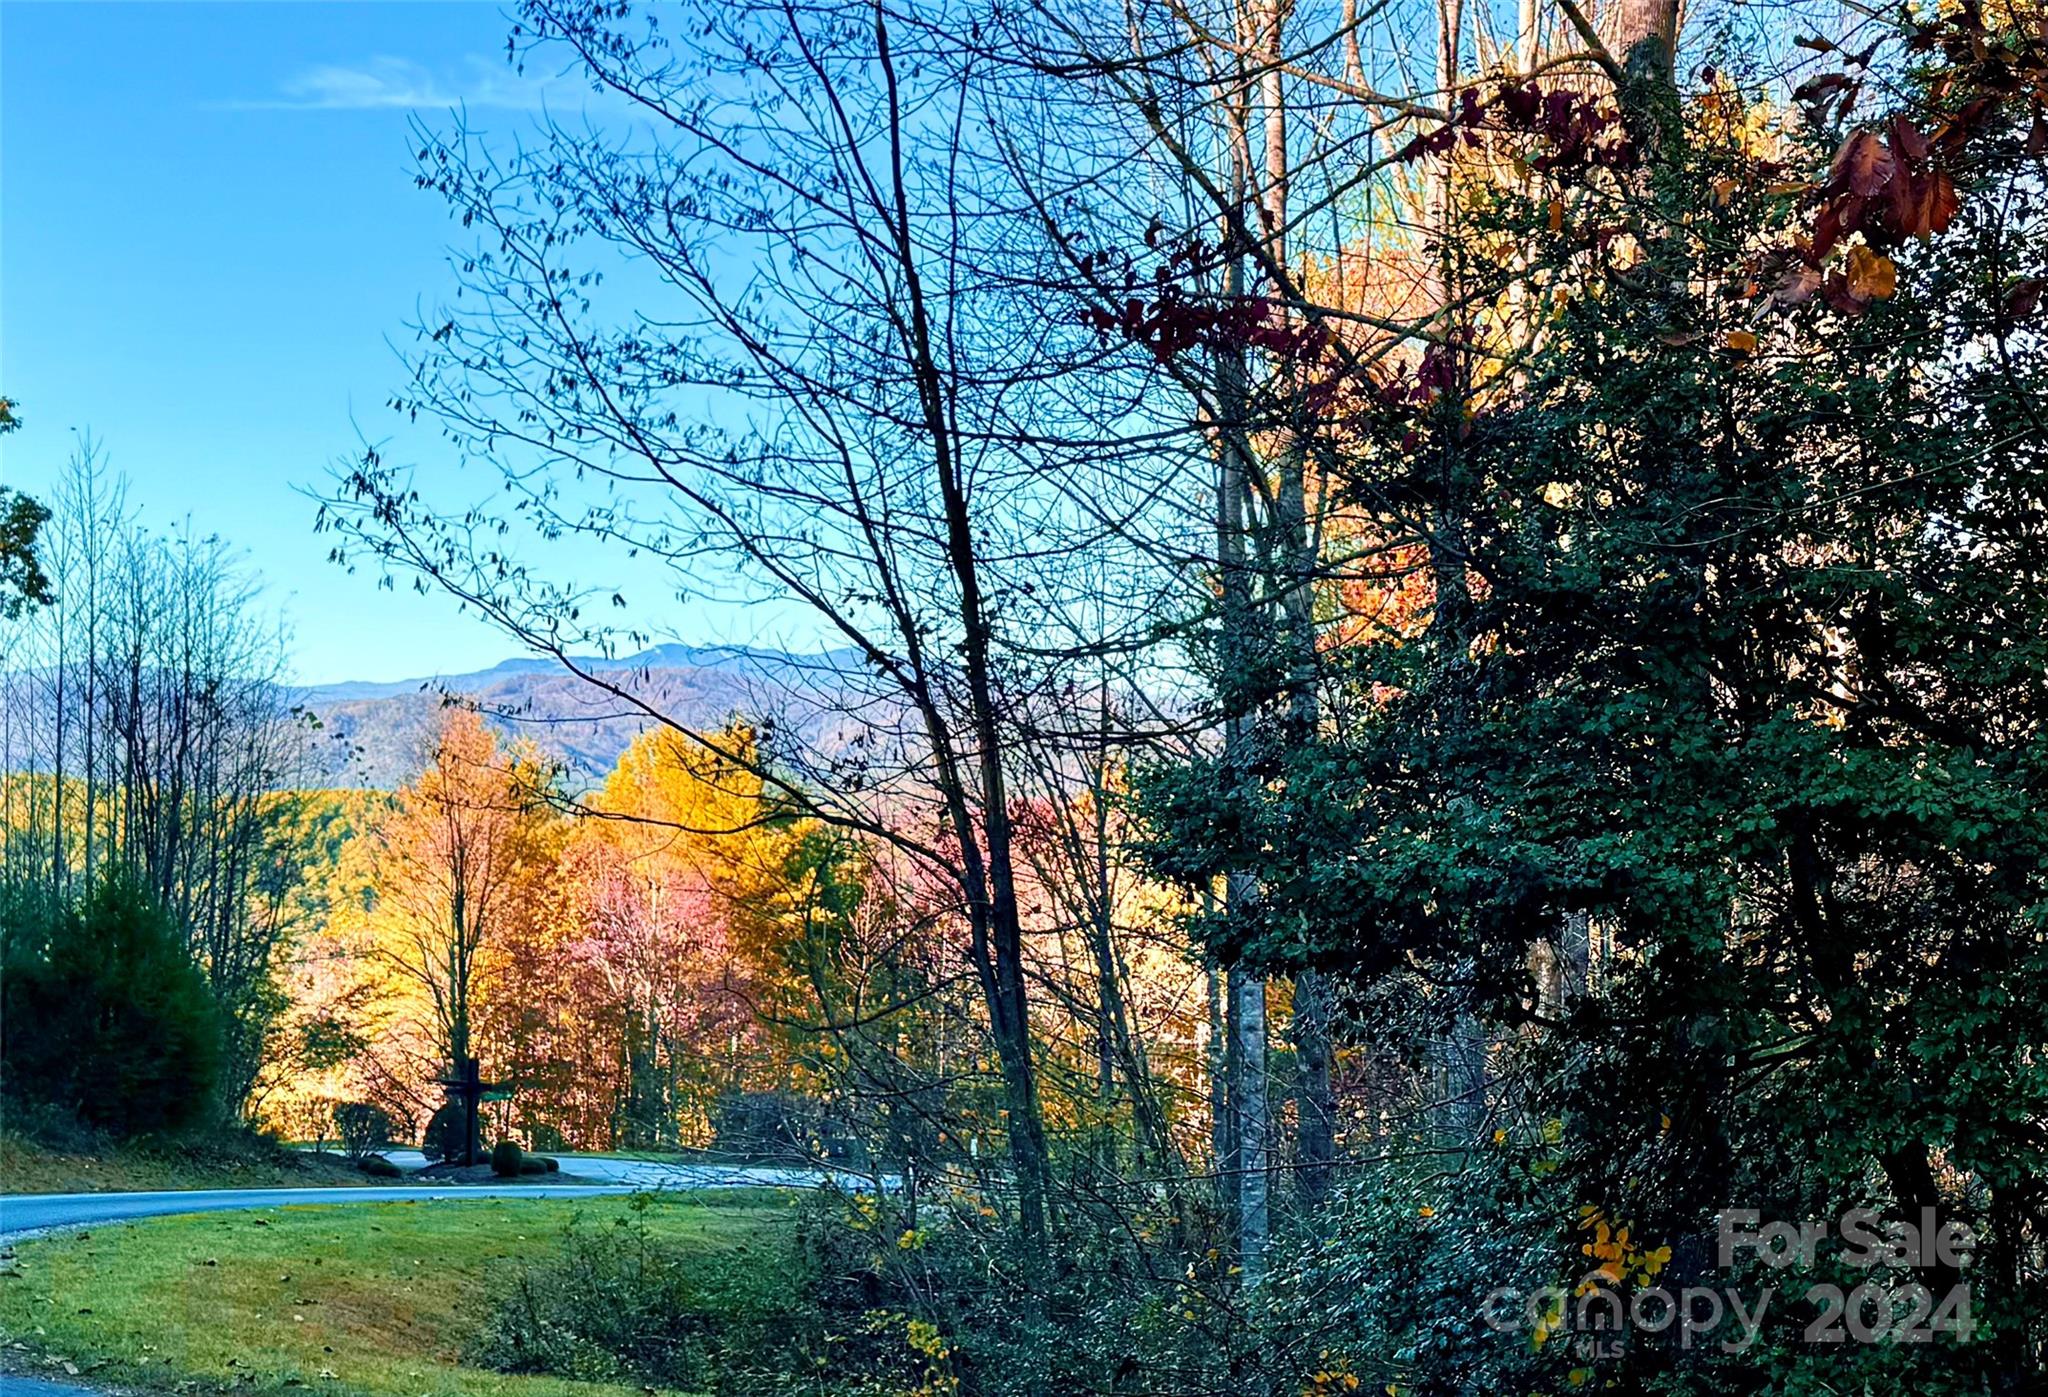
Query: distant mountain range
377	734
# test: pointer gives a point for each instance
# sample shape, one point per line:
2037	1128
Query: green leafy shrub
532	1164
364	1129
506	1159
105	1015
49	1126
443	1133
378	1167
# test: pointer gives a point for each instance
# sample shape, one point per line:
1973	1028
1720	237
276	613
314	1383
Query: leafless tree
778	319
147	724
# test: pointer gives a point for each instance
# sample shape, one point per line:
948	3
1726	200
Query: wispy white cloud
385	83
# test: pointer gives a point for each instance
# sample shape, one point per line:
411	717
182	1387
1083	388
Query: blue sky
209	242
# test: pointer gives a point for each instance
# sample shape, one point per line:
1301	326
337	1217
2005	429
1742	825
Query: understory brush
854	1304
618	1303
1433	1277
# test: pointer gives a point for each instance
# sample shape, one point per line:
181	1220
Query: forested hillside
379	734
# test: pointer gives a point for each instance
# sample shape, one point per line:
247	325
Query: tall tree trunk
1221	1067
1245	1016
1250	1109
1312	1054
995	925
1645	39
1297	544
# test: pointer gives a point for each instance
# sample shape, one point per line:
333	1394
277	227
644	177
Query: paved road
37	1212
11	1386
643	1173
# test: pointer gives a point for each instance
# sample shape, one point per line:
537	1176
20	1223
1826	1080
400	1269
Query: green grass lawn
370	1299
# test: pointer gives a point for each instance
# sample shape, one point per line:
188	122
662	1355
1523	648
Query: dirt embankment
233	1162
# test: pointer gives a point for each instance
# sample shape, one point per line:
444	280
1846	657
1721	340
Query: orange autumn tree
455	869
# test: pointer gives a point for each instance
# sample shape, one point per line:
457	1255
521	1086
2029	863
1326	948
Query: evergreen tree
106	1016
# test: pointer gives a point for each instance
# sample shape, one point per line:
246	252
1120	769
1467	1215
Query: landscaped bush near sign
364	1129
443	1133
506	1159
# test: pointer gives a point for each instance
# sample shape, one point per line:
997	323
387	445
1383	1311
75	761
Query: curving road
24	1213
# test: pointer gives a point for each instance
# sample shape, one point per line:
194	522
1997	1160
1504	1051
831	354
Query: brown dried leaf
1837	218
1797	285
1872	275
1864	164
1907	140
1923	204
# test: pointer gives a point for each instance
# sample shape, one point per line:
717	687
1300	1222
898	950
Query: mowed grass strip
369	1299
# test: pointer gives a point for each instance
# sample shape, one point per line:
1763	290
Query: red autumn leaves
1582	131
1895	182
1887	187
1171	321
